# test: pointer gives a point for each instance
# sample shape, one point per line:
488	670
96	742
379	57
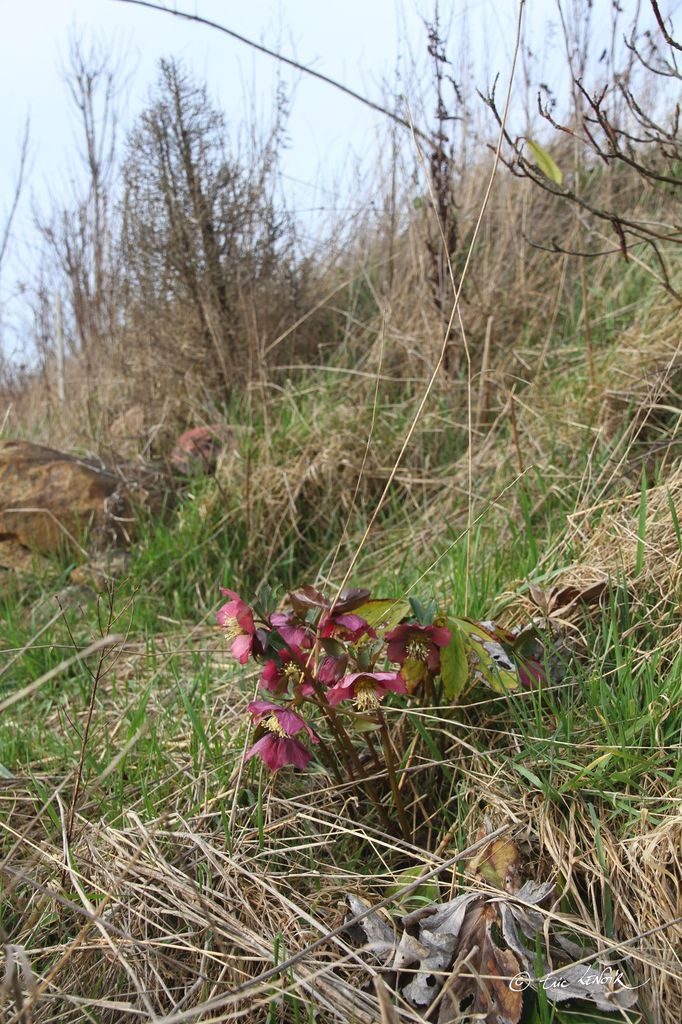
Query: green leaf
545	163
276	642
415	672
530	776
527	644
362	724
384	614
641	527
675	519
424	614
487	659
422	895
498	863
334	648
454	668
197	724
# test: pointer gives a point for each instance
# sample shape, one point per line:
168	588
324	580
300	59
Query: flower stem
357	774
352	761
330	760
373	751
395	789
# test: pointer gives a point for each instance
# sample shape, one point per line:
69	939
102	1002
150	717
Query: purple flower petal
289	720
241	648
272	677
439	635
293	723
293	633
331	668
260	708
277	752
342	691
382	682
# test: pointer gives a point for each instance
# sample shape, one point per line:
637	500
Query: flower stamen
417	649
294	673
366	697
272	724
232	630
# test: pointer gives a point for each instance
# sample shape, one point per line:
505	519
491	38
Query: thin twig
284	60
455	309
96	676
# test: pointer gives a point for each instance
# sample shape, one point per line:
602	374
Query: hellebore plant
330	658
340	661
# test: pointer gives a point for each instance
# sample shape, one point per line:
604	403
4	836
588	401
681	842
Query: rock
197	450
48	499
14	557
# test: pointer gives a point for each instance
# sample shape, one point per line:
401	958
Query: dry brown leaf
458	959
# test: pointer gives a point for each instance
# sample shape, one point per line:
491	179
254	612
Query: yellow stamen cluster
417	649
366	696
232	630
273	724
294	673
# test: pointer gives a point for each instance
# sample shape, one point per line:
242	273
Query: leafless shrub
624	129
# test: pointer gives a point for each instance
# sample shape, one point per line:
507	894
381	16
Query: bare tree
81	234
200	229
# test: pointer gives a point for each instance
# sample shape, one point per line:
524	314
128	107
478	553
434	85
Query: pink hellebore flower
531	673
331	667
236	618
278	676
277	752
345	626
422	643
366	688
294	634
276	748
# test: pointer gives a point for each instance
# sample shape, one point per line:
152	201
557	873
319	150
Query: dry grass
163	917
187	881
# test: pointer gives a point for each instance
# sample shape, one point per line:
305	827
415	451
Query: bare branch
285	60
661	24
7	230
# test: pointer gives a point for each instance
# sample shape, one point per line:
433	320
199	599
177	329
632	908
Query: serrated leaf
423	613
384	614
487	659
332	647
372	932
276	642
454	668
545	163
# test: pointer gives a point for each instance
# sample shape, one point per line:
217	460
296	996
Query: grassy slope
589	770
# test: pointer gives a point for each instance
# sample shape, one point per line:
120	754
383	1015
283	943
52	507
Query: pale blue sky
356	41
